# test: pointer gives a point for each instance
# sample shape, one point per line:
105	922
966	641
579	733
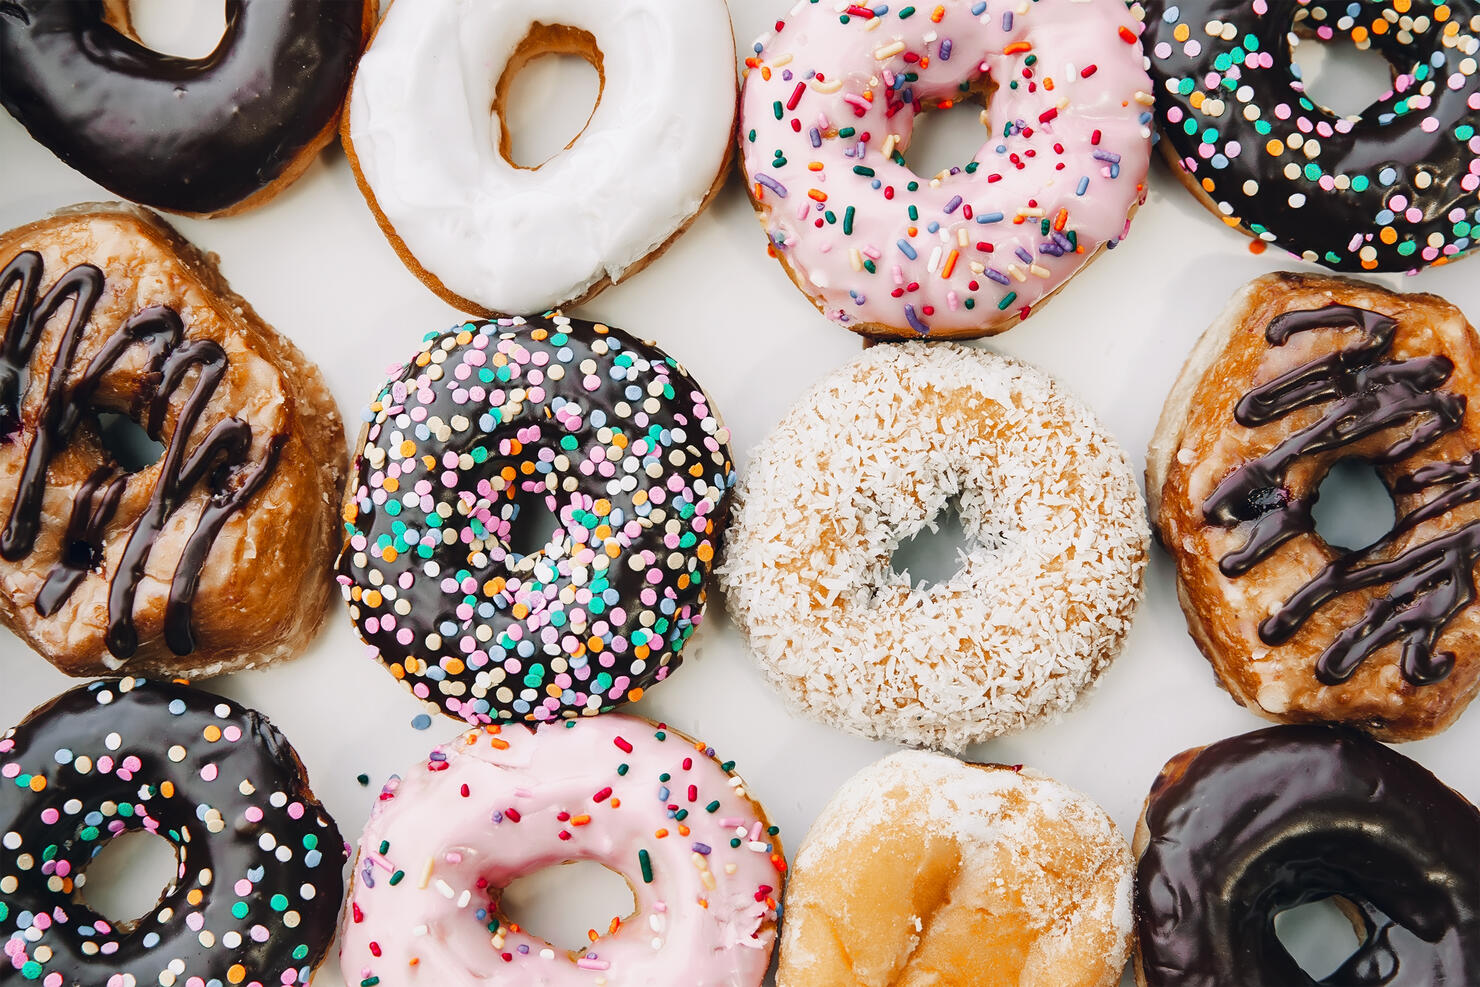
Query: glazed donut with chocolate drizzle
1298	373
206	136
216	556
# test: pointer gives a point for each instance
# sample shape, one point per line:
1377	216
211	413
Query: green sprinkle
863	170
712	806
776	108
1011	297
240	909
848	221
397	877
646	863
279	902
905	12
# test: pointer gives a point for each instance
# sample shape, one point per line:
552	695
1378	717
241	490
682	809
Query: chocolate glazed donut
1393	189
1239	831
255	898
201	136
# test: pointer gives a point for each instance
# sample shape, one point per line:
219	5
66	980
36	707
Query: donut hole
127	877
942	139
1353	508
935	553
183	28
547	94
564	905
131	447
532	529
1319	935
1338	75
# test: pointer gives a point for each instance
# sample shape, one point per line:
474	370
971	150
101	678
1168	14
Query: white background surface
315	266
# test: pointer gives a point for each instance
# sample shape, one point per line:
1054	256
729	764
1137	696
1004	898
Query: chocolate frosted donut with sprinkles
827	114
256	895
606	435
1394	188
703	862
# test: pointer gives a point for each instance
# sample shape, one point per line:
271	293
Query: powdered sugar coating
1056	533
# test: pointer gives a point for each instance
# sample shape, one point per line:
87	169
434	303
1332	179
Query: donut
826	118
606	436
218	555
925	870
496	238
1049	579
1236	832
1393	188
1298	373
703	863
209	136
256	897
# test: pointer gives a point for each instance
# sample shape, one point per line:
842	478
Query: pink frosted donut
704	864
827	113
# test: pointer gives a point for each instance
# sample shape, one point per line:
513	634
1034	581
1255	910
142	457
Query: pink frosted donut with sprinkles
1394	188
255	898
493	423
827	113
703	862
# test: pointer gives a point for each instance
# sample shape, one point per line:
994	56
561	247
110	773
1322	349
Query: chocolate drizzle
1364	395
220	459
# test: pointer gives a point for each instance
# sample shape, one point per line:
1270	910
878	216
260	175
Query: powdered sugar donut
925	870
495	238
1057	543
827	115
699	855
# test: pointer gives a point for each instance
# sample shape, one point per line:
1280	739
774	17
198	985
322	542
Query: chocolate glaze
598	394
1389	134
193	135
221	847
1255	825
1364	395
220	459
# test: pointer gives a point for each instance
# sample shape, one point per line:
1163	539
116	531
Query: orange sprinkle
1257	246
1016	47
817	194
950	264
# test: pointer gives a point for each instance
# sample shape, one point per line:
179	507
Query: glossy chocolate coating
191	135
1252	826
1363	394
1404	166
603	433
260	862
219	459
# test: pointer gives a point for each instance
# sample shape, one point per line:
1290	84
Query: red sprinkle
623	744
1088	71
512	815
796	96
1127	35
602	795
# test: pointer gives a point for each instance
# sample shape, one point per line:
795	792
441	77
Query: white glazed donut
1057	543
826	118
703	863
429	148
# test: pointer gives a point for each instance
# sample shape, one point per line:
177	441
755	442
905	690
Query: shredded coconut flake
1041	601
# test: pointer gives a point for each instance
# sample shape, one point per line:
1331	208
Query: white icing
519	240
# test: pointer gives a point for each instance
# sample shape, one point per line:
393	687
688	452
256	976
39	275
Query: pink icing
1070	145
706	918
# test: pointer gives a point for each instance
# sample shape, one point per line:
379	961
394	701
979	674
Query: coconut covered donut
1041	601
494	237
1298	373
216	557
925	870
830	106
